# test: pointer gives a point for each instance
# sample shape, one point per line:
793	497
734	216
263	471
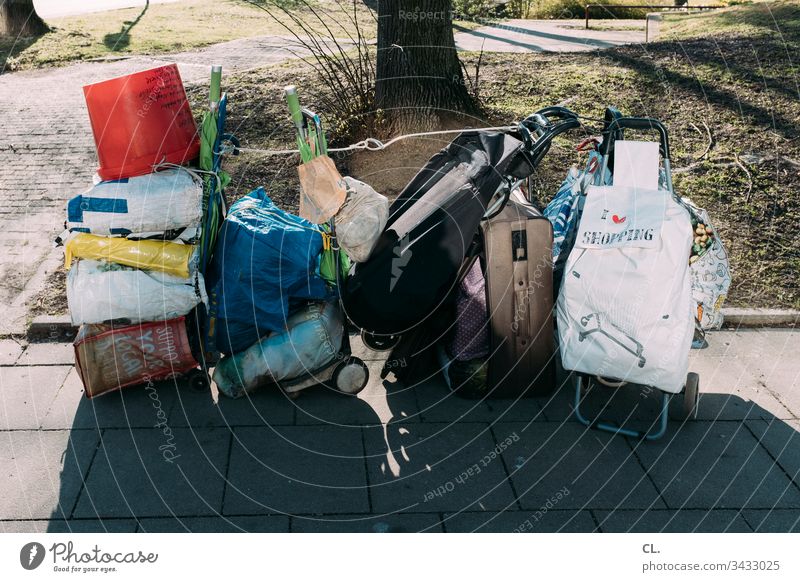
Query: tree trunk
418	73
19	18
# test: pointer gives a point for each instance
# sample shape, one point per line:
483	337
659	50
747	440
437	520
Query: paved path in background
398	459
534	36
47	152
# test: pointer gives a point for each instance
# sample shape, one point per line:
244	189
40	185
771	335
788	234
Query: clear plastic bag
361	219
711	272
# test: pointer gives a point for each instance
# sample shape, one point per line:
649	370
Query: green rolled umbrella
209	129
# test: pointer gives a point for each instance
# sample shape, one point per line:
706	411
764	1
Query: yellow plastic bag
150	255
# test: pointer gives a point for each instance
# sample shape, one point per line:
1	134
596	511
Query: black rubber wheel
199	380
691	396
379	343
350	376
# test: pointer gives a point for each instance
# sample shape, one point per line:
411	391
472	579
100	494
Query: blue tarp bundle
266	263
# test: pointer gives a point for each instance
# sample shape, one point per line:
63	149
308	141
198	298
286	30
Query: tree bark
418	73
19	18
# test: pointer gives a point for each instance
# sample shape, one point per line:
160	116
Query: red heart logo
618	220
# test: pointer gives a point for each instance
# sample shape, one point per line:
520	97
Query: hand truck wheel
350	376
198	380
691	397
379	343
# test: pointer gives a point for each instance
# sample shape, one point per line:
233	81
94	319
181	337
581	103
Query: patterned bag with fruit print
709	267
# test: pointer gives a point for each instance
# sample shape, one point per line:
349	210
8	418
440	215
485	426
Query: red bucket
140	120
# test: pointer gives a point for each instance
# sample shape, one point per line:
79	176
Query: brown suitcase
519	296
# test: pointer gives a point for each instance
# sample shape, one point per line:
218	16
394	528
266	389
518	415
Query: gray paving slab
735	343
435	467
381	402
774	520
704	465
132	407
217	524
296	469
782	441
557	407
672	521
150	473
26	394
572	467
555	521
264	407
438	404
778	367
10	351
70	526
730	389
43	472
768	355
47	354
391	523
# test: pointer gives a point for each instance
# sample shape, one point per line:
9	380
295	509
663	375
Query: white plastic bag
158	202
361	219
626	312
711	276
98	291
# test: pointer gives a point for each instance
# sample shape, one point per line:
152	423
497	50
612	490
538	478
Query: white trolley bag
625	310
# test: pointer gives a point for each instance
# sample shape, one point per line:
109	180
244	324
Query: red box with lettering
110	358
140	120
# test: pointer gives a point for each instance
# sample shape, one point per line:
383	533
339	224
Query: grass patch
755	19
154	29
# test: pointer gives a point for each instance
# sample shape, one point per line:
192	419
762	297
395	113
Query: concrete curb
741	317
51	328
59	328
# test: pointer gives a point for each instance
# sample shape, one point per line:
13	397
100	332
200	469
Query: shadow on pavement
167	458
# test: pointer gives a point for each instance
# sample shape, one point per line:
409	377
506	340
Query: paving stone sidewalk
169	458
